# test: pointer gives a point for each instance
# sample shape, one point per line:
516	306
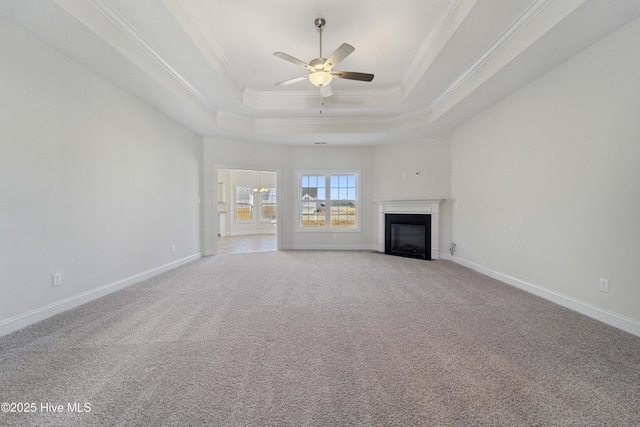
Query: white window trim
235	207
260	218
328	228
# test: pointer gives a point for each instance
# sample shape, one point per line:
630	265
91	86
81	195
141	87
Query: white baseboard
25	319
442	255
327	247
616	320
250	233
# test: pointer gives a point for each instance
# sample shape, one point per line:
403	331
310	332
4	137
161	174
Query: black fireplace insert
408	235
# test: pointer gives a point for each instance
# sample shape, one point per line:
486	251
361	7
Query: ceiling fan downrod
320	22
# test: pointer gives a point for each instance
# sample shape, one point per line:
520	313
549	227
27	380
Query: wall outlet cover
604	285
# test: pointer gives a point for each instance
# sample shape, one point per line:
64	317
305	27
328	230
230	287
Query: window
244	203
328	201
268	207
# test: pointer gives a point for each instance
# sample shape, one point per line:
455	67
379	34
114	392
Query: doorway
247	211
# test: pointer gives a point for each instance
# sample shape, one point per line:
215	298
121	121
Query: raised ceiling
210	64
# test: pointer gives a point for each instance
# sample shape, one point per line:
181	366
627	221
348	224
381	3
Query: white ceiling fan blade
326	91
364	77
292	81
342	52
294	60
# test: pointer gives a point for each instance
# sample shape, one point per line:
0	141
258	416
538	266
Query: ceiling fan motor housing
318	63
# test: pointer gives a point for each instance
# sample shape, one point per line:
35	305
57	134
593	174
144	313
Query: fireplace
408	235
420	207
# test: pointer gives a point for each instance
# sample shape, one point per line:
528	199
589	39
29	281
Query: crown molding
446	25
320	126
287	100
189	19
520	23
120	23
529	27
448	21
227	120
106	22
323	125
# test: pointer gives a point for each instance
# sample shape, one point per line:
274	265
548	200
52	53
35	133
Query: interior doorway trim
211	207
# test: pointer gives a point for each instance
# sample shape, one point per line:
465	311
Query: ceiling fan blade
292	81
342	52
294	60
352	76
326	91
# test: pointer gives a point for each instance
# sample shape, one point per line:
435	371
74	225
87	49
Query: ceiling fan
320	69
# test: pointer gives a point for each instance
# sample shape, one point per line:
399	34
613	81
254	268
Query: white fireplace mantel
417	206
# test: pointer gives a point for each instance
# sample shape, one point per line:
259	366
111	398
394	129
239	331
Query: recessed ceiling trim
310	99
376	124
227	120
531	25
322	120
521	22
446	25
188	17
125	28
306	126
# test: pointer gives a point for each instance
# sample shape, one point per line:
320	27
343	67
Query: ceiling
210	64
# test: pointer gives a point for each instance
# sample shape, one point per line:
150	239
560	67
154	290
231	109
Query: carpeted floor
321	338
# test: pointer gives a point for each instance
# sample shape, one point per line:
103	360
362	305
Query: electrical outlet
604	285
57	279
173	248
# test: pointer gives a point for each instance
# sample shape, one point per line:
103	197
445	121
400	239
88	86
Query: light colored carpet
327	339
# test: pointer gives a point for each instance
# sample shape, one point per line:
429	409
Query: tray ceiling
210	65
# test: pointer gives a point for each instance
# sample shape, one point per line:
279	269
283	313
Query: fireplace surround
408	235
430	207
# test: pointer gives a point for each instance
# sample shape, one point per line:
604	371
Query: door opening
247	211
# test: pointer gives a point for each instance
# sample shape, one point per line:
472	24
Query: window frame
272	193
251	204
327	228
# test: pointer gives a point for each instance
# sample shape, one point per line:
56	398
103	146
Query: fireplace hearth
408	235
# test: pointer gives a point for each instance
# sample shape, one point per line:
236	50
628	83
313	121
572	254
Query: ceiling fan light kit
320	78
321	69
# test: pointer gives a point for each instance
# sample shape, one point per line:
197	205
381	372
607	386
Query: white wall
381	171
94	184
247	178
228	154
419	169
338	159
547	183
